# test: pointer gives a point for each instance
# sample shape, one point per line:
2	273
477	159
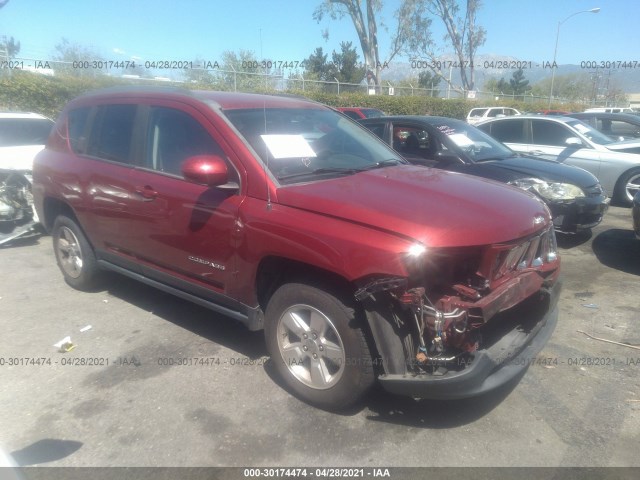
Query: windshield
15	132
591	133
299	145
476	145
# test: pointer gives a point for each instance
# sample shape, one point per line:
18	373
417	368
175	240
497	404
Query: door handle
147	193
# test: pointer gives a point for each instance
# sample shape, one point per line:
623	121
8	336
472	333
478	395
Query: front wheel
317	346
74	254
628	185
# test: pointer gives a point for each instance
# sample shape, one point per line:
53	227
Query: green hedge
25	91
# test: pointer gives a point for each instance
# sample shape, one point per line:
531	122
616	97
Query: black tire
622	196
342	370
74	255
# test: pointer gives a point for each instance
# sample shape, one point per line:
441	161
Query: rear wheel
74	254
628	185
317	346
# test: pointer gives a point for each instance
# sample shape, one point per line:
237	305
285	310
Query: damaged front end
464	314
17	215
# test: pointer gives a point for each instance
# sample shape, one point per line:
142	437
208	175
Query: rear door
107	151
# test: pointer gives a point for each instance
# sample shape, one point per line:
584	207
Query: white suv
610	110
477	115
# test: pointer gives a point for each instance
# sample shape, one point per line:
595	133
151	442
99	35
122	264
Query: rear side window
477	112
113	133
77	128
507	132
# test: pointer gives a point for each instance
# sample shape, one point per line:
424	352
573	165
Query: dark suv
285	215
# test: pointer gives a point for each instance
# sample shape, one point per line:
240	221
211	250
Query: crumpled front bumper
489	368
580	214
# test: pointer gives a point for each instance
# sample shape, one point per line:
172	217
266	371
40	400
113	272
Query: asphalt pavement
156	381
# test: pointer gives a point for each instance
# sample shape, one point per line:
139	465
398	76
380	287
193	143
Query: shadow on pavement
46	450
570	240
619	249
381	406
438	414
210	325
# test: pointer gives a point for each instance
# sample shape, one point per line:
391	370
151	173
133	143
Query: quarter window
76	126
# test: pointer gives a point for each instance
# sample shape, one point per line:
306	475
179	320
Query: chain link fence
259	80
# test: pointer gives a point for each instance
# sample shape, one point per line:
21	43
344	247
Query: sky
284	30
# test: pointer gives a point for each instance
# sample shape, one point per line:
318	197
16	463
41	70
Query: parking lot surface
157	381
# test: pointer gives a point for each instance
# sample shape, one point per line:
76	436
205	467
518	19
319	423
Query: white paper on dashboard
288	146
461	139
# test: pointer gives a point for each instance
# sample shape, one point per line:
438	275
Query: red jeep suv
283	214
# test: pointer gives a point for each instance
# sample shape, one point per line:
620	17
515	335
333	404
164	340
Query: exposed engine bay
458	313
17	215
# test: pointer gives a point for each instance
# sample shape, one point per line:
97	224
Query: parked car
574	143
477	115
552	112
285	215
22	136
635	211
619	126
610	109
360	112
574	196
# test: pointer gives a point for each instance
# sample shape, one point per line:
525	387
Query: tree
519	85
244	72
316	66
463	34
497	86
67	53
11	47
347	68
428	80
411	25
575	87
200	73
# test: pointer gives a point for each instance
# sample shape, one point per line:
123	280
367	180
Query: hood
627	146
19	158
435	207
517	167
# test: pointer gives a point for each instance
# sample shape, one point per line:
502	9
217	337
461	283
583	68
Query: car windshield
591	133
301	145
476	145
16	132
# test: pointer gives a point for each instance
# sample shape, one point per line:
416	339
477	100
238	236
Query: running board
252	322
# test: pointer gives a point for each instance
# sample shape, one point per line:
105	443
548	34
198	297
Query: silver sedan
571	141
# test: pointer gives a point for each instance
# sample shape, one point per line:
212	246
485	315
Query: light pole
555	52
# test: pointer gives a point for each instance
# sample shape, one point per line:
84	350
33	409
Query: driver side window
173	136
550	133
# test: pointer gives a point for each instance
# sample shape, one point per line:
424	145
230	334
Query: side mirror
210	170
573	142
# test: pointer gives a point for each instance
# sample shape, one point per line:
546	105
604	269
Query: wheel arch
52	208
